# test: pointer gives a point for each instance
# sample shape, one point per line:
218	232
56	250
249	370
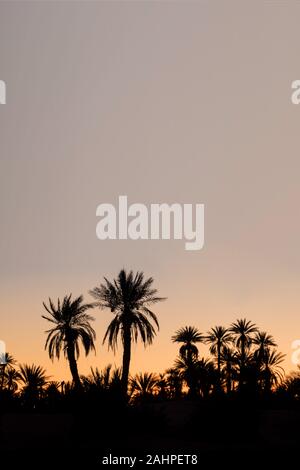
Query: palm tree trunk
73	366
126	357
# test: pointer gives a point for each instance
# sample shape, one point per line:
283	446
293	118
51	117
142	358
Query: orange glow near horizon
25	337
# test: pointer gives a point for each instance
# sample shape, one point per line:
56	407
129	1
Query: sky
186	102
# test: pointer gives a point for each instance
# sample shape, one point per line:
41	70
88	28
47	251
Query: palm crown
129	298
218	337
71	324
189	336
243	331
263	341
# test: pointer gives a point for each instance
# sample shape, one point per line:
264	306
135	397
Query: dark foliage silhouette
218	338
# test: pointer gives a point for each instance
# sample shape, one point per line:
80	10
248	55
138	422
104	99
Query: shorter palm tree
187	369
174	383
53	392
199	375
229	367
271	372
162	386
218	338
53	387
102	380
34	379
189	336
263	342
242	331
143	385
12	377
208	378
71	327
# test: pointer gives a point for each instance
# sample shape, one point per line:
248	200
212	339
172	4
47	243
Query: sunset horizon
150	233
148	359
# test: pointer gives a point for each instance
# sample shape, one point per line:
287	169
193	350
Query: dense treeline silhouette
243	360
241	376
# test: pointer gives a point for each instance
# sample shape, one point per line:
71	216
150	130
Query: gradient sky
183	102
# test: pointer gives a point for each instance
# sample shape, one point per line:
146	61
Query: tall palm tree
129	298
71	326
218	338
263	341
189	336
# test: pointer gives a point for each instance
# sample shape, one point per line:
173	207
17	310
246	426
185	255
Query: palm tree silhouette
174	383
34	380
229	363
53	387
263	341
199	375
143	385
12	377
162	385
189	336
242	332
102	380
186	369
72	326
129	298
207	376
271	372
218	338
